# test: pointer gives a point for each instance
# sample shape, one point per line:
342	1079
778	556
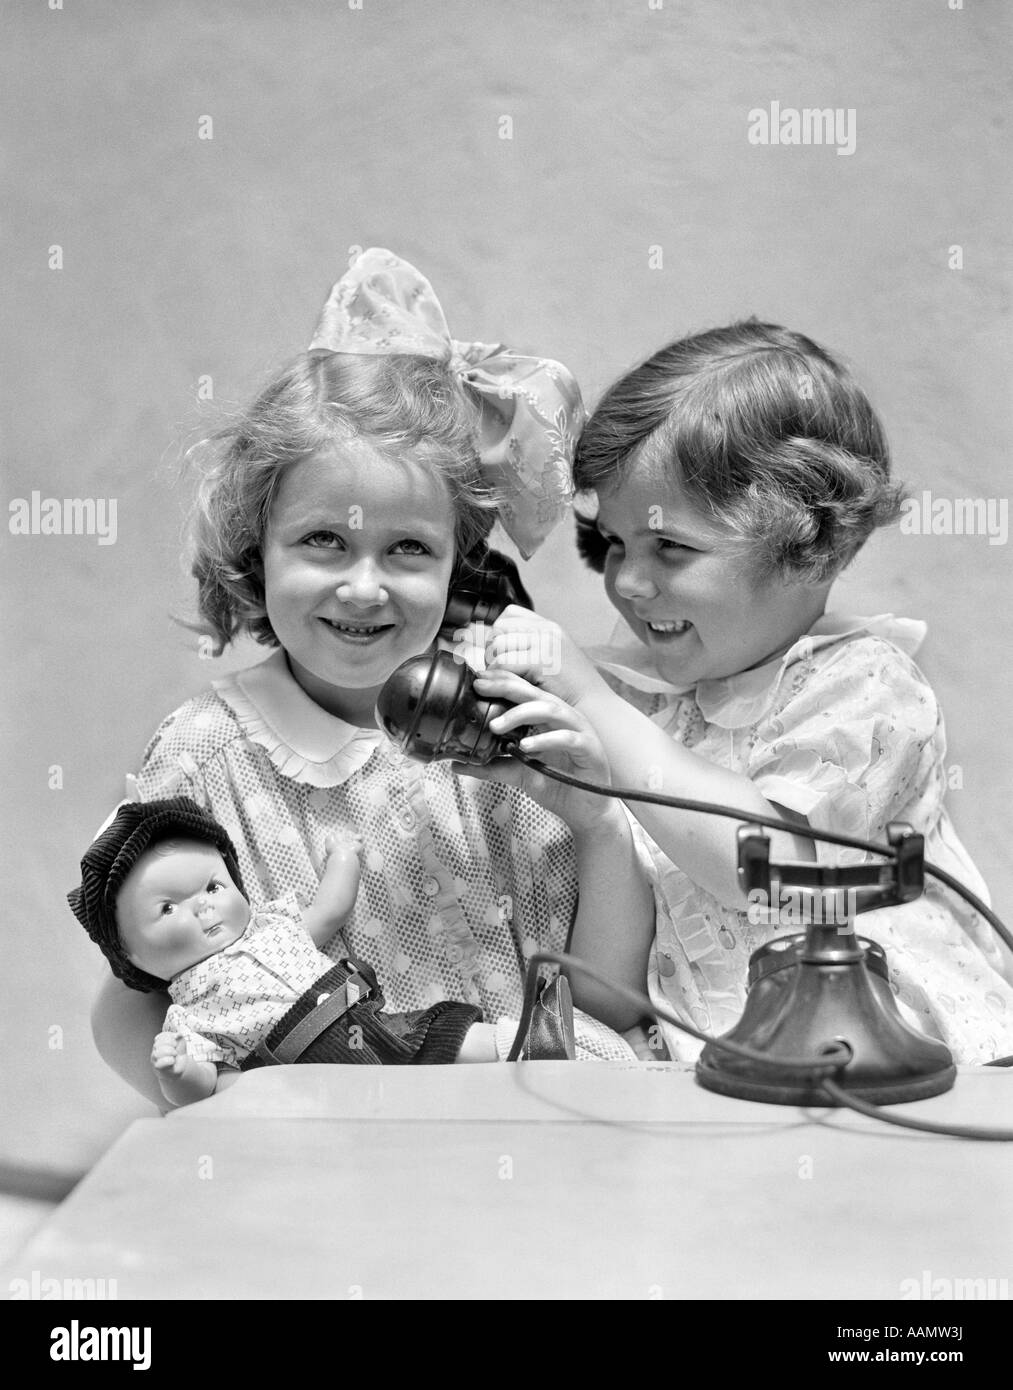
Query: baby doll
161	894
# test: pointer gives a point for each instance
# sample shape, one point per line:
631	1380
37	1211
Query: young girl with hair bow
333	520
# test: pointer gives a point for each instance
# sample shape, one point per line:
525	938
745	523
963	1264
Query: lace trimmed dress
844	729
461	880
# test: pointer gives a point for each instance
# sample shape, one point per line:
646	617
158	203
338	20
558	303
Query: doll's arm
182	1079
339	887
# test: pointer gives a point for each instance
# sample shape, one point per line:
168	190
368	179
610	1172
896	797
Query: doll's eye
215	885
165	910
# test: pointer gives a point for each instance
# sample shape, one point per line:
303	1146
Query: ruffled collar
302	740
736	701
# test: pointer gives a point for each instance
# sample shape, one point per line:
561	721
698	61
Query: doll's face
177	906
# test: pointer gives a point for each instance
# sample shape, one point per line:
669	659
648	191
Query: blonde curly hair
398	403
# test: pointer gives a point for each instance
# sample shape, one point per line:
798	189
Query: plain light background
335	126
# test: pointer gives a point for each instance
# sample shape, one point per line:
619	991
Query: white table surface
543	1180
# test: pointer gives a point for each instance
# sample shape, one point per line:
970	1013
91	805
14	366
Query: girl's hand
541	652
169	1053
561	737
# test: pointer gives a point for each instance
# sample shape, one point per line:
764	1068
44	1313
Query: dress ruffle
826	793
734	702
302	741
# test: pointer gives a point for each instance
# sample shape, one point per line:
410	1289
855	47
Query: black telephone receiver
428	706
487	584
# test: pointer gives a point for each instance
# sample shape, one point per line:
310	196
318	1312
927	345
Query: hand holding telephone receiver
428	706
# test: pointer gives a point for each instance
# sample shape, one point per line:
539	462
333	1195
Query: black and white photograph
507	641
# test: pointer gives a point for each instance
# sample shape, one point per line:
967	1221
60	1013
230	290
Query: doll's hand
339	886
540	651
343	846
168	1054
182	1078
339	876
339	863
560	737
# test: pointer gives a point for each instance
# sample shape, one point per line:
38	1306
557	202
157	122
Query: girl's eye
326	540
214	886
411	547
665	544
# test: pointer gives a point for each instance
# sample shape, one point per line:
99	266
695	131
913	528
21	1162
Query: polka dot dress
461	879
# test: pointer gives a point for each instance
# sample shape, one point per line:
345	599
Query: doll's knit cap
136	827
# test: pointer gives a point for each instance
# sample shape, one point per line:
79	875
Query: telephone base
808	992
810	1095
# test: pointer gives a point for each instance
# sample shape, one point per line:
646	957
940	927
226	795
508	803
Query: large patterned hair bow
531	408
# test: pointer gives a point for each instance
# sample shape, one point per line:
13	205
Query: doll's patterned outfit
844	729
461	879
225	1004
257	988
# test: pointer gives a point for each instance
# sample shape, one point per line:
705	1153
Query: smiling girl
736	473
337	513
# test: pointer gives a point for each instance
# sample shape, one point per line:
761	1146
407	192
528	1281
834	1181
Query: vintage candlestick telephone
820	994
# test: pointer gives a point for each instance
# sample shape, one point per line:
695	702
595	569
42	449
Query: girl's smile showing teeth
742	613
358	632
347	602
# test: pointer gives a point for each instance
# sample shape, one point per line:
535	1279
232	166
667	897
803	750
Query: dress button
454	954
408	819
430	887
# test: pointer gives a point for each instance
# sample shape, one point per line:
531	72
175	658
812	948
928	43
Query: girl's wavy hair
401	405
769	434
